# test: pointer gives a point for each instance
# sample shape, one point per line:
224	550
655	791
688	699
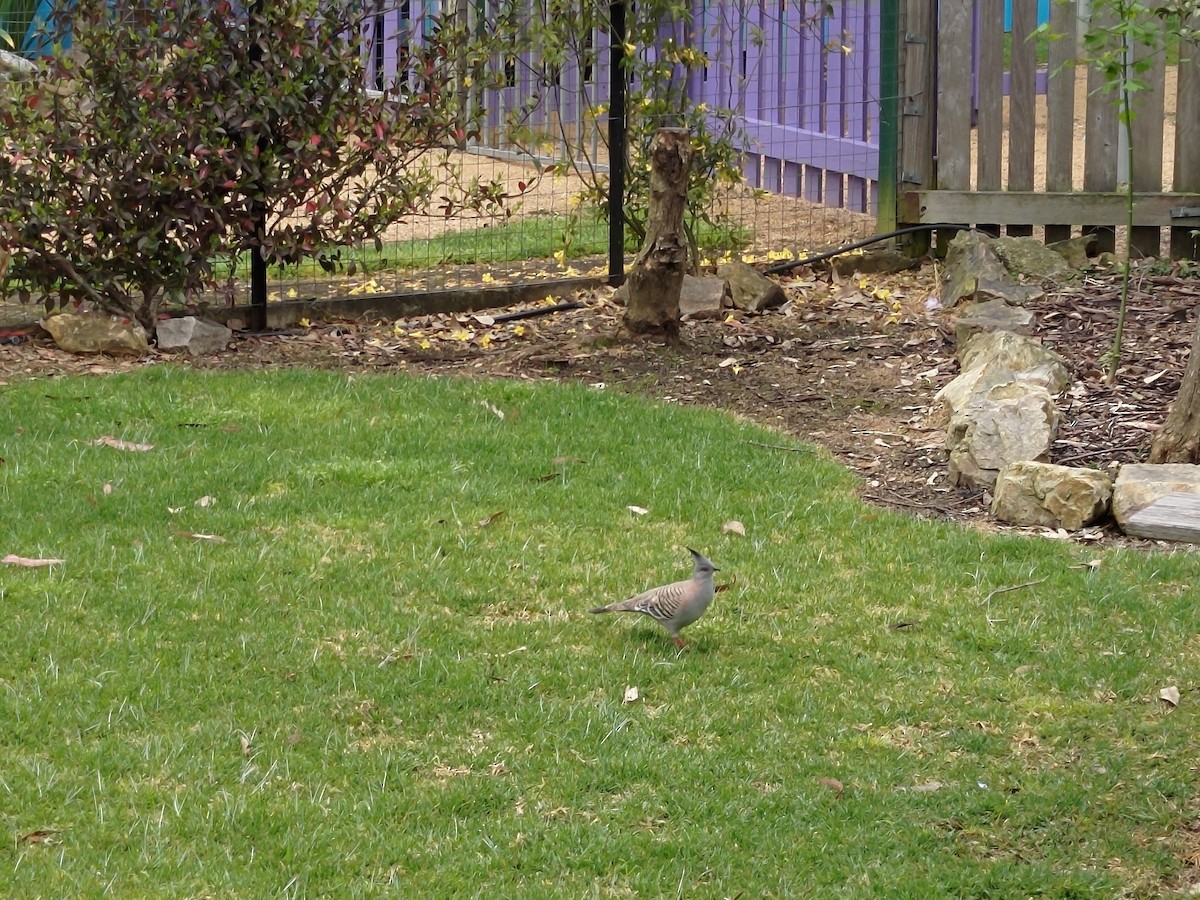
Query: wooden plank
1100	139
989	130
1187	140
1175	517
1040	208
1060	107
954	95
1022	103
917	104
1147	130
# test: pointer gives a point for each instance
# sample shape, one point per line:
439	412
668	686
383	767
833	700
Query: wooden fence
1057	161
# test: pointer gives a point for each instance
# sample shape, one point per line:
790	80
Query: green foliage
15	18
1115	29
164	137
659	61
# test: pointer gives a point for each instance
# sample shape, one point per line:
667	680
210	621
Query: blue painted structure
1043	13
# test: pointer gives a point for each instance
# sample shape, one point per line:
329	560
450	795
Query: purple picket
769	86
810	111
793	179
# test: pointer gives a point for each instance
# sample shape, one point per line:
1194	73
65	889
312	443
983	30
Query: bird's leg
679	642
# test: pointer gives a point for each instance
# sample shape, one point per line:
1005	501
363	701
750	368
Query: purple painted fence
806	83
803	81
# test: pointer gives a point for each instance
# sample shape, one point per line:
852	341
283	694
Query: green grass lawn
521	238
364	690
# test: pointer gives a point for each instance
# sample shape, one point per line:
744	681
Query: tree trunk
657	274
1179	439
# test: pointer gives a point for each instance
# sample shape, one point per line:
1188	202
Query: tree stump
1178	441
657	274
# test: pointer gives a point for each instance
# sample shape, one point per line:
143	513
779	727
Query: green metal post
889	115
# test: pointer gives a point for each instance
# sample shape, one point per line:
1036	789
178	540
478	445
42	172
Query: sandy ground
1080	131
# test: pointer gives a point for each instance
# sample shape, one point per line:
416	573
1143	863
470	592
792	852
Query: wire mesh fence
786	96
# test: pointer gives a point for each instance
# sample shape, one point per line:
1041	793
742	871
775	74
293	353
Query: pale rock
873	262
1030	258
1010	292
749	289
15	67
198	336
997	358
1075	250
1007	423
971	262
702	297
1037	493
1018	353
994	315
1140	484
97	333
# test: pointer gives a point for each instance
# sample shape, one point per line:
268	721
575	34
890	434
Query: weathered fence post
657	274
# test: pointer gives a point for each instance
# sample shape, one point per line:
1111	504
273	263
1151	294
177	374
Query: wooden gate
976	157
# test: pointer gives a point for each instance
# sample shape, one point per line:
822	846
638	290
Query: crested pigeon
676	605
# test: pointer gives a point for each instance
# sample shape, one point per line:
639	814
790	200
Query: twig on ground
1011	587
779	447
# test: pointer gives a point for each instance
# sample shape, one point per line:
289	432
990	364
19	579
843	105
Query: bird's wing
661	603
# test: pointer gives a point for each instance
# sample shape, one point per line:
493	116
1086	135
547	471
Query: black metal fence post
617	33
258	264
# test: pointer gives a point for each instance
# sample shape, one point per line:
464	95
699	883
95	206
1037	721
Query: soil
851	364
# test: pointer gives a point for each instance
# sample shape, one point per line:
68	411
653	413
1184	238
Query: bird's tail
619	606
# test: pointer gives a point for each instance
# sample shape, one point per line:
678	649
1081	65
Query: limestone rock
995	315
97	333
1140	484
1019	354
703	297
998	358
1010	292
198	336
1030	258
15	67
971	261
1009	422
872	262
1075	251
1036	493
749	289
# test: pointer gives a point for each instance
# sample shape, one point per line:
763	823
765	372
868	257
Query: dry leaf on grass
638	510
484	523
733	526
205	502
833	784
631	694
1169	696
107	440
14	560
196	536
41	836
927	788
